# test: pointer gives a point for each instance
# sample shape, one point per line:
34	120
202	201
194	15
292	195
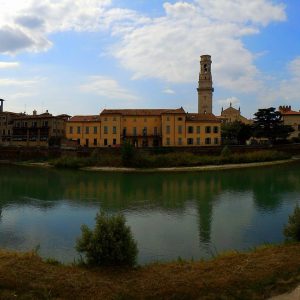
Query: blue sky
80	56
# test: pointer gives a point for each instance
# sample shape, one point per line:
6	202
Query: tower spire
205	88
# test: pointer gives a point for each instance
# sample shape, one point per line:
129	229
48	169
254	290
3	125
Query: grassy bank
262	273
176	159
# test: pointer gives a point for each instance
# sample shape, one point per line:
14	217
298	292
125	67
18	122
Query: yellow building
153	127
145	128
292	118
85	130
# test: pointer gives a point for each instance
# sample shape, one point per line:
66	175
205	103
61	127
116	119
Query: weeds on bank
136	159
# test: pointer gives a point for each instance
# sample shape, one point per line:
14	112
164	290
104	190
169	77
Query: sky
81	56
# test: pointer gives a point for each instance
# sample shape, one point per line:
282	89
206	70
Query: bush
292	229
109	244
128	154
226	152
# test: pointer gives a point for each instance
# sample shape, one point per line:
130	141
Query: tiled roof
90	118
291	112
202	117
141	112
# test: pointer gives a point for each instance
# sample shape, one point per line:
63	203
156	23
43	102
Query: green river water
191	215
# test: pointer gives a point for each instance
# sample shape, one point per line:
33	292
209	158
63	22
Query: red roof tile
202	117
90	118
141	112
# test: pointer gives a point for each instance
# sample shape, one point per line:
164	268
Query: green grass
173	159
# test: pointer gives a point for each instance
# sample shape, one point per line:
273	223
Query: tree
268	124
292	229
236	133
109	244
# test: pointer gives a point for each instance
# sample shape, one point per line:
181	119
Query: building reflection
166	192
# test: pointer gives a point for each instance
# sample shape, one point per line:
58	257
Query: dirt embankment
257	275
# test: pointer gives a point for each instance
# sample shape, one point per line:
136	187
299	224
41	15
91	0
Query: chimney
1	105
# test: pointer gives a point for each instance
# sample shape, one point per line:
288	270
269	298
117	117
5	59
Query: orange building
292	118
85	130
145	128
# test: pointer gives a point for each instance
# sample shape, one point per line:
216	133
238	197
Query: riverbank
259	274
193	169
173	169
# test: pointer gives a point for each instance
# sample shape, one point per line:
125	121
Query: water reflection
184	211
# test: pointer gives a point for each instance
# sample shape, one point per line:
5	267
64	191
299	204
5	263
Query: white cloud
107	88
17	82
9	65
168	91
168	47
26	24
234	101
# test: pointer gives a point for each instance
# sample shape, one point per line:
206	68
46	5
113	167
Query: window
114	141
216	129
134	131
78	141
114	119
190	141
105	142
190	129
198	129
78	129
216	141
168	141
168	118
179	129
299	127
114	130
124	131
155	130
207	141
168	129
180	141
105	119
145	131
71	129
198	141
87	130
87	142
95	129
207	129
105	130
179	119
95	141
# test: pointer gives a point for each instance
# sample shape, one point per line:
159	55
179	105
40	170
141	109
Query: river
190	215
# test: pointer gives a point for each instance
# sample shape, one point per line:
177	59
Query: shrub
292	229
226	152
109	244
128	154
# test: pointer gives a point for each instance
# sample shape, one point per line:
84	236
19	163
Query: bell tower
205	88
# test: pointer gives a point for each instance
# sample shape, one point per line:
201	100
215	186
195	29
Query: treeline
268	124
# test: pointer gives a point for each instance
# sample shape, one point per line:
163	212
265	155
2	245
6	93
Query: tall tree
236	133
268	124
